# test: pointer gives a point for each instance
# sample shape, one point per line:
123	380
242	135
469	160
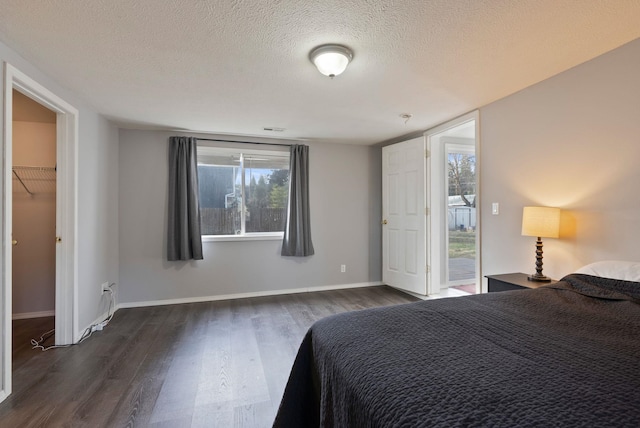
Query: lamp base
539	278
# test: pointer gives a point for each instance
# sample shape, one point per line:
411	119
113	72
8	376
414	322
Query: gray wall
97	204
97	214
572	141
345	202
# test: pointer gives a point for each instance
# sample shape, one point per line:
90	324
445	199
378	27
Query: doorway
65	245
453	238
34	209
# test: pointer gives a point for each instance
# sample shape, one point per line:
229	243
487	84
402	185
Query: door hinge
427	211
427	153
428	269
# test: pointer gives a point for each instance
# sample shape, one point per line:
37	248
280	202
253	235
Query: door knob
58	239
14	242
384	221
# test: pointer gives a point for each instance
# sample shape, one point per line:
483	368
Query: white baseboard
246	295
27	315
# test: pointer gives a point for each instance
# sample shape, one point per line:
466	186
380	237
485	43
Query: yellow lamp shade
543	222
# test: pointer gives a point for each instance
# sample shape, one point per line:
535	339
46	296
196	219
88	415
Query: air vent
274	129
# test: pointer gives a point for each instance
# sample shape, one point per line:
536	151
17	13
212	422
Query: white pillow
614	269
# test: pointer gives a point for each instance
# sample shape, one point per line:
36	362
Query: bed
566	354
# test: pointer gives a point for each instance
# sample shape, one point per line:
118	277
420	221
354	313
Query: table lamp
541	222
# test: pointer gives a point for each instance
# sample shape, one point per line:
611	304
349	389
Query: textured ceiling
238	66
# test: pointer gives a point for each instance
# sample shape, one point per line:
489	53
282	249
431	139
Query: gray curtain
297	231
183	237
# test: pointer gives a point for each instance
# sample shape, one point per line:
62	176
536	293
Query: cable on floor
38	344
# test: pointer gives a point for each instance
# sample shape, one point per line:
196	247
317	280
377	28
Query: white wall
572	141
345	215
97	193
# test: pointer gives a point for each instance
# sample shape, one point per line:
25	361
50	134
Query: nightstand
512	281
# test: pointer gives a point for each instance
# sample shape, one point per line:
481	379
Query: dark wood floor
216	364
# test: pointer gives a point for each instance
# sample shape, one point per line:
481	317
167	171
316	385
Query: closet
34	209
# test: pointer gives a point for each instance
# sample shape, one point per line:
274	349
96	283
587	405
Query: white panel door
403	216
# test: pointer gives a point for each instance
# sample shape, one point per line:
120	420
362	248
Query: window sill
278	236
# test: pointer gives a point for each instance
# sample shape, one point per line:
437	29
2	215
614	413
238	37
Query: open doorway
454	218
34	209
65	196
33	223
460	191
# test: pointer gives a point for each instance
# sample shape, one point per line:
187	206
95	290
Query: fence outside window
226	221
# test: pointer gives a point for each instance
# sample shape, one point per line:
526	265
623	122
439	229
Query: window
243	192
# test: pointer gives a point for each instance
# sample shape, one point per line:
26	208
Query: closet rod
243	142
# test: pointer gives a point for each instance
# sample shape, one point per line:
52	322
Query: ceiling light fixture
331	60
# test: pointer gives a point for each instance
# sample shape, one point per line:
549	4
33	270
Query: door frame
66	300
435	198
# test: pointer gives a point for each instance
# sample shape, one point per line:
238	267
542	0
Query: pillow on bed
614	269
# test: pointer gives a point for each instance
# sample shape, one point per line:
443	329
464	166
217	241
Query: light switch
495	208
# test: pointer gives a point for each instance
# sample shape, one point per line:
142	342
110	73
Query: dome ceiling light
331	60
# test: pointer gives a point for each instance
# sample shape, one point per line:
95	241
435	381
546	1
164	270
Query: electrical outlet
343	268
105	287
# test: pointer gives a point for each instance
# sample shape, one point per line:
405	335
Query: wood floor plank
215	386
220	364
278	343
138	400
255	415
124	371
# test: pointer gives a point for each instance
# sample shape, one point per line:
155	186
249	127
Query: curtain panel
183	234
297	231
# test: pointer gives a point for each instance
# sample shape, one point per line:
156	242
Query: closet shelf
34	179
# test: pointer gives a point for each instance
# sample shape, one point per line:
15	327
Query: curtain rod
243	142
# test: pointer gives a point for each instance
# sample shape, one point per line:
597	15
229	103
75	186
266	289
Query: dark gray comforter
563	355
